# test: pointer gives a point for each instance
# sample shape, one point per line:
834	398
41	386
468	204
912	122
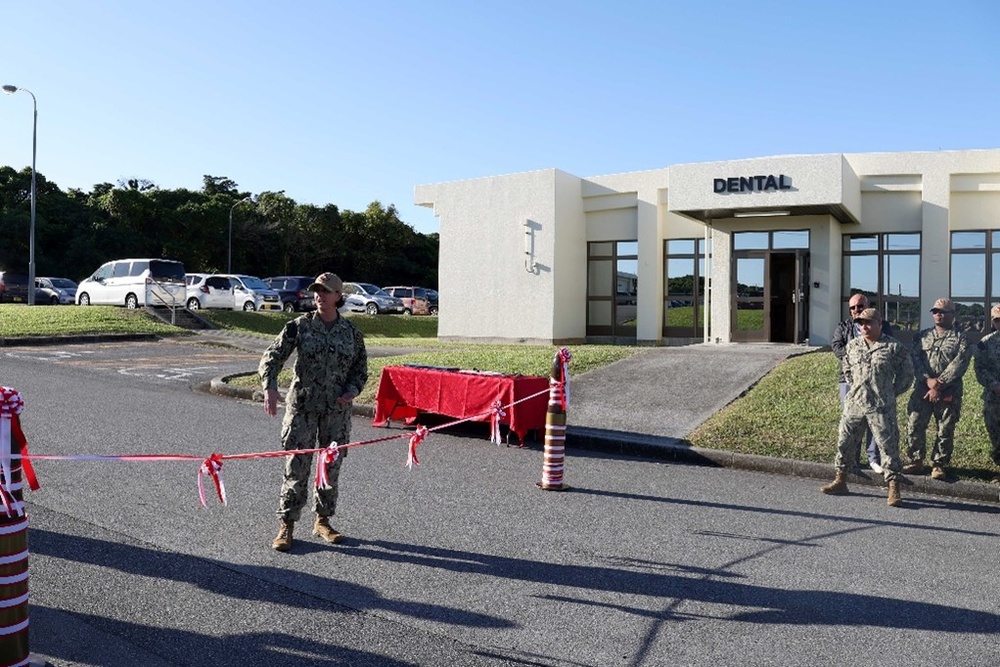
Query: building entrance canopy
777	186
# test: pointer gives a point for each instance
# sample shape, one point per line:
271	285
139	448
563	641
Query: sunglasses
938	311
858	307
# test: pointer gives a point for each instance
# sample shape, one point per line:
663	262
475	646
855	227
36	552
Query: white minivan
135	282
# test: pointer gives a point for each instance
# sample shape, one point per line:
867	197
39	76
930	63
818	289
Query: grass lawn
794	413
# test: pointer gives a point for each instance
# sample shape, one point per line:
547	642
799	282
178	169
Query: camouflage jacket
988	364
944	356
330	362
878	374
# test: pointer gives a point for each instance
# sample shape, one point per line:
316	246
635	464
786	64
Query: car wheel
407	311
289	307
193	304
84	299
434	310
131	302
372	308
54	301
248	307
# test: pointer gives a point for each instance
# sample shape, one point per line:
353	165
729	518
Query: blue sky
346	103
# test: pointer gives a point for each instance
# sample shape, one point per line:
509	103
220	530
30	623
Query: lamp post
229	265
10	90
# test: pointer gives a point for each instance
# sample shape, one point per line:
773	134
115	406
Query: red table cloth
406	391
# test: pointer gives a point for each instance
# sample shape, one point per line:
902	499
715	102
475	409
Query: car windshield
368	288
62	283
250	282
165	270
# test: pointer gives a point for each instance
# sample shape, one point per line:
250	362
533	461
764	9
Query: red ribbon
498	414
415	439
18	435
212	467
325	459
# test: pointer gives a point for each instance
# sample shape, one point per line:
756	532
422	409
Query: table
406	391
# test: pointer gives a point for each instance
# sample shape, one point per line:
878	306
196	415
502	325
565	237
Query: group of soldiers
876	369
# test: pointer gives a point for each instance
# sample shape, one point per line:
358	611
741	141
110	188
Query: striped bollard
13	535
555	424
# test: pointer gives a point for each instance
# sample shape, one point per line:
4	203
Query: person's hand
346	397
934	395
933	383
271	402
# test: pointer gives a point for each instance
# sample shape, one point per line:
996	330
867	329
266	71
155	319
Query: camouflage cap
868	315
944	305
995	311
327	281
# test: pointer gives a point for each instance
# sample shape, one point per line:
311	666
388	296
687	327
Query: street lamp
229	266
10	90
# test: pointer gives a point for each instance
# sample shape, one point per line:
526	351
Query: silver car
370	299
55	291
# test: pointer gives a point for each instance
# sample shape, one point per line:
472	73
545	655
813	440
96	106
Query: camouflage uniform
331	360
944	356
877	375
988	374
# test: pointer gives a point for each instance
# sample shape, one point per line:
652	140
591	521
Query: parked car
55	291
13	287
232	292
294	292
370	299
252	293
416	300
133	283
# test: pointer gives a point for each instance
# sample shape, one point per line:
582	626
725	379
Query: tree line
272	234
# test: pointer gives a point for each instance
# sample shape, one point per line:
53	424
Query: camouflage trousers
885	432
310	430
945	415
991	417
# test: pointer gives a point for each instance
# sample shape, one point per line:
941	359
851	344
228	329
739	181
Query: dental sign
752	183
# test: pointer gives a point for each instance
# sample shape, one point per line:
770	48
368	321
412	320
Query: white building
771	248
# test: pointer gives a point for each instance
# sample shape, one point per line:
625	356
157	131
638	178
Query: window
886	269
612	288
684	292
975	278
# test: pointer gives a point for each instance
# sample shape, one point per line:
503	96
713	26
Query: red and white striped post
553	465
13	534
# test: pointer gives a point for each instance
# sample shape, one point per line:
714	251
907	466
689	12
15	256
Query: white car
133	283
229	291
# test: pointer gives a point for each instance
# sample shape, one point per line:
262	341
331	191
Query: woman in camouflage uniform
331	369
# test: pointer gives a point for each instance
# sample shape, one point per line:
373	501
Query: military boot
322	528
283	542
894	500
915	467
838	486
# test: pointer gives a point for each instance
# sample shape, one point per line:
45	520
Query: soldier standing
846	331
878	368
940	358
330	370
988	374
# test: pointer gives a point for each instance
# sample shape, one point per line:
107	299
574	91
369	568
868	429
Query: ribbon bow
498	414
415	439
212	466
325	459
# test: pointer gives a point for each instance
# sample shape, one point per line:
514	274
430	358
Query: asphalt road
461	560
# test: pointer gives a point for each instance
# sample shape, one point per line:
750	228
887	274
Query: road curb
83	338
